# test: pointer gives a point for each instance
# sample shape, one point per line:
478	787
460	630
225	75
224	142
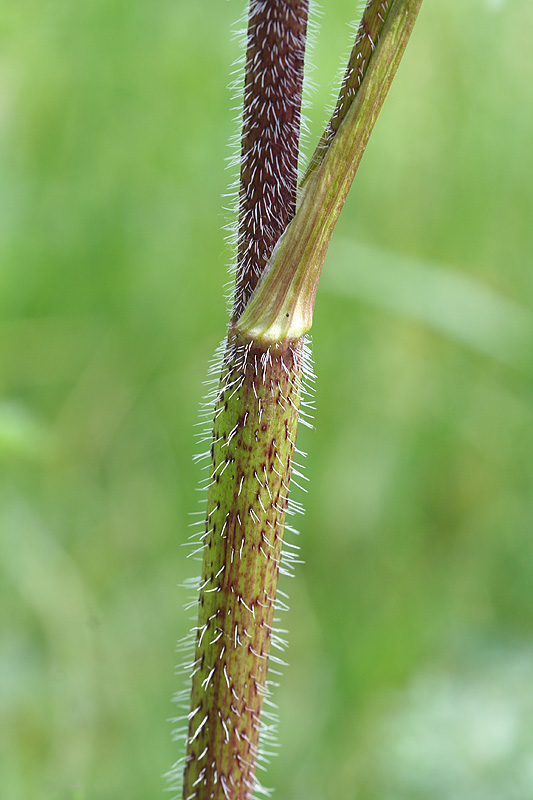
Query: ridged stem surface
256	417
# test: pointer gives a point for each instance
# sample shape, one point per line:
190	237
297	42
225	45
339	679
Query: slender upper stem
270	134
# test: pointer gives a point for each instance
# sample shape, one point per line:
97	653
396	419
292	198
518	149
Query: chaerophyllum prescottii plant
283	234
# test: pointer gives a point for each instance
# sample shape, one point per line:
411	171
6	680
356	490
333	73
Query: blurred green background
411	650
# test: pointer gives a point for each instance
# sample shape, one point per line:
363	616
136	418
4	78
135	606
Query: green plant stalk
255	424
256	417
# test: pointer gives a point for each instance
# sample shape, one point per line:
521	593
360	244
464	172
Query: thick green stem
256	417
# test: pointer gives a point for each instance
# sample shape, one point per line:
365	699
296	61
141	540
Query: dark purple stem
270	135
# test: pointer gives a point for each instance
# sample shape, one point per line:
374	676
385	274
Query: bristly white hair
197	543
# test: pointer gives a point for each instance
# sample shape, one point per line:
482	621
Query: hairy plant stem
274	73
255	422
280	254
256	418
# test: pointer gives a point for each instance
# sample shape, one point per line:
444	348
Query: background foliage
411	622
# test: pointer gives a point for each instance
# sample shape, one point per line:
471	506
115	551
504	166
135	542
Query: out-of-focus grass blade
442	297
21	434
